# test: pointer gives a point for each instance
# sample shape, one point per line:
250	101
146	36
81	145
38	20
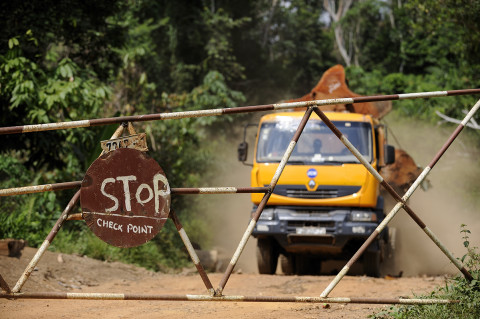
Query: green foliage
42	90
285	49
446	32
28	217
457	288
57	89
212	93
219	52
134	89
50	79
376	82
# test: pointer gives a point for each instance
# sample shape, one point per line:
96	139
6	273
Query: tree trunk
336	16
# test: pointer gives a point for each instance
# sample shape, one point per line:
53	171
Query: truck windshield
317	144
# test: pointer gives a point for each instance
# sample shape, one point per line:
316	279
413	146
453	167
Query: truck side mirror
242	151
389	154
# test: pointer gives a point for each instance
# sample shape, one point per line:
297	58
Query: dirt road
69	273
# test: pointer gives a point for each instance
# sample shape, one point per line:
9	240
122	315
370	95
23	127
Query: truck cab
325	203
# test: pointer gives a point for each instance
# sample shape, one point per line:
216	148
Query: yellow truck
326	203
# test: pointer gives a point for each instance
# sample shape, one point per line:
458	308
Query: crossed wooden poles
217	294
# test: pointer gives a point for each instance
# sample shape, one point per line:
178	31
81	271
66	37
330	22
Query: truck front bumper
330	232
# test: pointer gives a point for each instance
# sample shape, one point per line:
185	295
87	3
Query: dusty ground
79	274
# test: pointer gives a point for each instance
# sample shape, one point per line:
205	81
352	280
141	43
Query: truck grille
296	223
322	191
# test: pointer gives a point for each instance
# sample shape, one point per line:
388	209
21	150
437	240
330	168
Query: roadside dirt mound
60	272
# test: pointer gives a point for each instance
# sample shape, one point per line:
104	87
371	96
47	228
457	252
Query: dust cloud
231	213
451	201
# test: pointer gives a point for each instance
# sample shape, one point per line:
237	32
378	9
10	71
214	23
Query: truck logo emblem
311	183
312	173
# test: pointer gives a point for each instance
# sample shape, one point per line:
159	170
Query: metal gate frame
217	294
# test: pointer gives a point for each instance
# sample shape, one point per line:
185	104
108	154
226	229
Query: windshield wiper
341	162
295	162
332	163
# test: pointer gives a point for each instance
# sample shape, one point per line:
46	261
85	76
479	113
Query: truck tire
287	262
371	263
267	256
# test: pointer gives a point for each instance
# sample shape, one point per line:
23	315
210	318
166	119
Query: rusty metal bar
31	266
39	188
263	203
220	190
232	298
225	111
179	191
192	253
401	200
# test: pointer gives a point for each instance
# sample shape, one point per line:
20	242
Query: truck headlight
358	230
266	215
363	217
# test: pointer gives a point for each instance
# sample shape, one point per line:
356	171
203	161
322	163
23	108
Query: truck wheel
371	263
287	262
267	256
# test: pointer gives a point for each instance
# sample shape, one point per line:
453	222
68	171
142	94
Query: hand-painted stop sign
125	197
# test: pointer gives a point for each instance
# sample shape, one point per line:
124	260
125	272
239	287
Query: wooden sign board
125	197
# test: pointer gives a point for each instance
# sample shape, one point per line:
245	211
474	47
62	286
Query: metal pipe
39	188
192	253
31	266
263	203
232	298
225	111
401	200
220	190
179	191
